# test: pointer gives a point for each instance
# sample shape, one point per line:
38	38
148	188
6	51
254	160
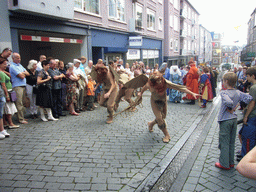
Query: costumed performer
108	77
157	85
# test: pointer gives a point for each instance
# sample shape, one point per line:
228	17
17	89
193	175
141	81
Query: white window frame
176	4
160	1
83	8
151	25
137	5
176	23
160	26
118	7
215	36
171	20
171	43
176	45
216	45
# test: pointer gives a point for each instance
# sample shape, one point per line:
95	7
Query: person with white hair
175	77
31	87
82	81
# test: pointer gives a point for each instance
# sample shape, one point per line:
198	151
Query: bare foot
150	126
166	139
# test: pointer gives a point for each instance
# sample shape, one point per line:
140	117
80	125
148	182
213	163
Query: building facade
96	29
249	51
216	49
181	32
205	46
230	54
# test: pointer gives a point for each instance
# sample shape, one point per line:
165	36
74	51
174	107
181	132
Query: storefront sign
133	54
135	41
50	39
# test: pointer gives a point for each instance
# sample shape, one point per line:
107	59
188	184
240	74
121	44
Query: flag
213	44
237	27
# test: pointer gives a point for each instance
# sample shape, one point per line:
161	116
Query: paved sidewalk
204	176
85	154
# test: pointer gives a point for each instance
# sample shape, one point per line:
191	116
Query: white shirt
253	63
87	70
39	66
78	71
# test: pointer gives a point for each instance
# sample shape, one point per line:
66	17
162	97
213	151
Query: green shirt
252	92
5	79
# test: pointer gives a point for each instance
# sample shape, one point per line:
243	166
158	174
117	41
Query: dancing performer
157	85
108	77
123	91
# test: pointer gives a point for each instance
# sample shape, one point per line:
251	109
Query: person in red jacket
192	81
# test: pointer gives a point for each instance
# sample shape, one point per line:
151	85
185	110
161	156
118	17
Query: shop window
151	17
91	6
116	9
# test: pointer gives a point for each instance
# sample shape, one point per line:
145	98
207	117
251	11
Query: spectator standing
44	95
82	81
205	86
175	77
253	62
88	69
71	88
56	76
192	81
214	77
63	70
39	64
31	87
83	62
3	132
18	78
5	55
248	131
228	120
90	93
9	107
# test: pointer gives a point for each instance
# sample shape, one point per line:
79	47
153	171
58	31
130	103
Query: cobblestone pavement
85	154
204	176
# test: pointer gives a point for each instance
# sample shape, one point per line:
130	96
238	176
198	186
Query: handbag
12	95
35	89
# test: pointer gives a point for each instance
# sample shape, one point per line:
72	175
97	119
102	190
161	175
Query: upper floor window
176	4
151	17
160	24
116	9
176	23
138	16
91	6
171	20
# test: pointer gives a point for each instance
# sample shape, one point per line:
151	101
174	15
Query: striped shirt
229	99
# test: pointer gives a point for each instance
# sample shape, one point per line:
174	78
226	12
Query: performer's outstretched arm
144	88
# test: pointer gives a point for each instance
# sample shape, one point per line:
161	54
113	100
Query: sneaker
4	132
1	136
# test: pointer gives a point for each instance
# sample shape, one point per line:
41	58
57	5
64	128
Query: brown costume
106	76
157	85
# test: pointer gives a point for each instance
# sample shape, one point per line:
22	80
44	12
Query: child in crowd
228	120
248	131
90	93
205	86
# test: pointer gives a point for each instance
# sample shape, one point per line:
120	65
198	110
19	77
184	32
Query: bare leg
9	119
151	125
160	115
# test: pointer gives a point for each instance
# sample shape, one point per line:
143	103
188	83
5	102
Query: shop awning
50	39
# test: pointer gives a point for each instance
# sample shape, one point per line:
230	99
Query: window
160	1
151	19
138	16
160	24
176	45
215	60
176	23
171	20
216	45
215	52
189	30
91	6
171	44
189	13
171	1
176	4
215	36
116	9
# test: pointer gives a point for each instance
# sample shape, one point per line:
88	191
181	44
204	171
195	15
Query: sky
222	16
